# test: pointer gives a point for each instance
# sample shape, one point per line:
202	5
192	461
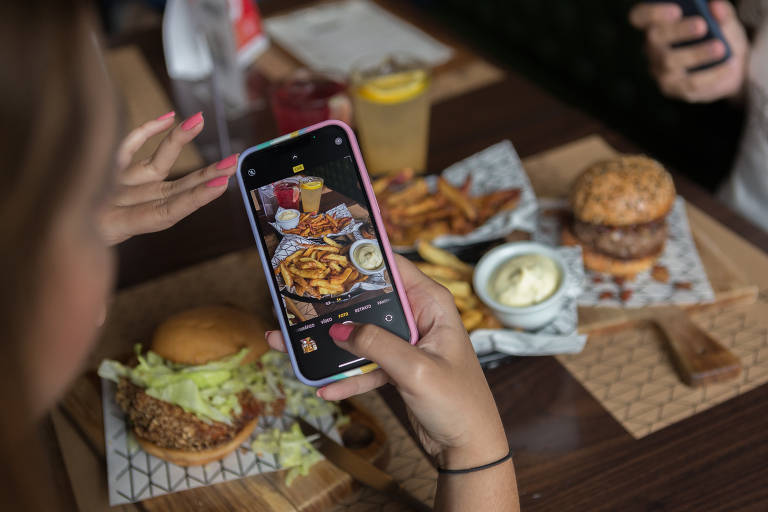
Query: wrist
481	451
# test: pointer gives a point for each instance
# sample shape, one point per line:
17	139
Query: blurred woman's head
59	129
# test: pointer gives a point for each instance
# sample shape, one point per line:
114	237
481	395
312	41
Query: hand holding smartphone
323	246
700	8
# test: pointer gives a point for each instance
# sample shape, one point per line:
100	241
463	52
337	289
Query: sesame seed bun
630	189
599	262
203	334
201	457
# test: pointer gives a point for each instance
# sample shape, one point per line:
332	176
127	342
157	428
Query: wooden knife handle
699	358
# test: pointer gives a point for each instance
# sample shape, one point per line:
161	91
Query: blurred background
585	53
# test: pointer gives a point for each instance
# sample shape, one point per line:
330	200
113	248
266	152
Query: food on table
199	391
525	280
456	276
287	193
288	214
319	225
619	208
319	270
369	256
411	212
311	192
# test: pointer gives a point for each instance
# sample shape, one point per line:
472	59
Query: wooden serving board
236	279
551	175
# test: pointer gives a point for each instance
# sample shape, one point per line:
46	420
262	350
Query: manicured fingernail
192	121
341	332
166	116
319	393
266	334
218	182
227	162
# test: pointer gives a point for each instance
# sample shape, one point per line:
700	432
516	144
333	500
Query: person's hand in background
449	403
664	26
144	201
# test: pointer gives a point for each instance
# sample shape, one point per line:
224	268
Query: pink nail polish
166	116
227	162
341	332
192	121
218	182
266	334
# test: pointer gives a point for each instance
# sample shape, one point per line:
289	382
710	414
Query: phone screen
317	229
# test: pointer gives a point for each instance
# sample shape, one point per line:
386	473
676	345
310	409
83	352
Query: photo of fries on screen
319	270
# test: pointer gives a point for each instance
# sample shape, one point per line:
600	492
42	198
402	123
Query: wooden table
570	454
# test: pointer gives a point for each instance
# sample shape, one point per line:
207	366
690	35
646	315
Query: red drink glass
287	194
307	98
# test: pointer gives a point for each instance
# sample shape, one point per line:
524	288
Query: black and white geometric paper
134	475
680	257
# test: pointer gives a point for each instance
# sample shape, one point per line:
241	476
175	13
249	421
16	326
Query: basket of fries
316	272
336	221
482	198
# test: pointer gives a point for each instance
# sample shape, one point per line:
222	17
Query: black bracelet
477	468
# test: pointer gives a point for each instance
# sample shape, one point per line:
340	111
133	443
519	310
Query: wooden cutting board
552	173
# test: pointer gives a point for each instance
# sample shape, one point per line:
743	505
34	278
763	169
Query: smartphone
700	8
323	246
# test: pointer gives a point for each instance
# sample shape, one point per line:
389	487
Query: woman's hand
440	379
143	200
664	26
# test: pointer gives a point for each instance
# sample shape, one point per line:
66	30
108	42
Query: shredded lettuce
209	390
293	450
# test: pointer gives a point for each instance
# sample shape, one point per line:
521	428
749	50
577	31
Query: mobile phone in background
700	8
323	246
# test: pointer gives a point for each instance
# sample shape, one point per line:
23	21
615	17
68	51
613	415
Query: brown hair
42	116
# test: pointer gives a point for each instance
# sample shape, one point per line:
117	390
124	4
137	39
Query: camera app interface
327	262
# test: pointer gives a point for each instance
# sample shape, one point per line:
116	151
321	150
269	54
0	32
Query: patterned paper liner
687	284
291	244
340	212
495	168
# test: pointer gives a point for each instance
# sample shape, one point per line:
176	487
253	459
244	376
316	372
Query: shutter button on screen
387	318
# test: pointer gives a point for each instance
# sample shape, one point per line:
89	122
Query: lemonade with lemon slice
311	192
392	113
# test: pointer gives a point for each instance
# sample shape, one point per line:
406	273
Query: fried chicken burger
197	394
619	210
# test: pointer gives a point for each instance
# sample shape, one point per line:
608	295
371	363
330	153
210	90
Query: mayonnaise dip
525	280
288	215
368	256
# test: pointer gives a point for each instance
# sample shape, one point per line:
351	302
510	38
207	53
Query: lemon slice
311	185
395	88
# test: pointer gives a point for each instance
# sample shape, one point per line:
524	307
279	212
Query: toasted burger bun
623	191
600	262
201	457
207	333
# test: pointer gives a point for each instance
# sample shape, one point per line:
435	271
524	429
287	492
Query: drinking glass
311	191
391	105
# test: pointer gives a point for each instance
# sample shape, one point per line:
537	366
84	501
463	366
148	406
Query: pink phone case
399	289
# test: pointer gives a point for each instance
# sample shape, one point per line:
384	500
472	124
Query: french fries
319	226
454	274
319	270
444	258
411	212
